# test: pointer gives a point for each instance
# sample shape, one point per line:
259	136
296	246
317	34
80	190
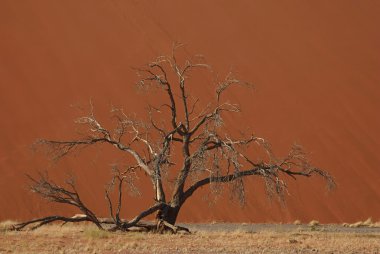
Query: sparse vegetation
297	222
366	223
313	223
86	238
95	233
6	225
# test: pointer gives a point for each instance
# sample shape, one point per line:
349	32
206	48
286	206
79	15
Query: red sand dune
315	65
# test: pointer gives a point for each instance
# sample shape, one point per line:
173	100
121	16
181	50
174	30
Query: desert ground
205	238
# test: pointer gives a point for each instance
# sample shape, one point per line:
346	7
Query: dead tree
209	155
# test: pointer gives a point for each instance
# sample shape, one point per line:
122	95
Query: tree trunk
168	214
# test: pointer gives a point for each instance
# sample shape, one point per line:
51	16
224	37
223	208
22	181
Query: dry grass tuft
314	223
375	225
292	241
95	233
6	225
366	223
297	222
356	224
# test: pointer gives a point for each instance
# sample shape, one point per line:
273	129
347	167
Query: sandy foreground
206	238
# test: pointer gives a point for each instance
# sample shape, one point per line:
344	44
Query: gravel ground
280	228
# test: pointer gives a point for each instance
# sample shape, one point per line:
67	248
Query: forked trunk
168	214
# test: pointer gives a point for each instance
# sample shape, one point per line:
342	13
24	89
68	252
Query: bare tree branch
54	193
46	220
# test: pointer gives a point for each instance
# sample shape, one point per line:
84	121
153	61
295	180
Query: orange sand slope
315	65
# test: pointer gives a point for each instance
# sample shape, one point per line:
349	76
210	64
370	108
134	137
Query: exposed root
160	227
164	226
